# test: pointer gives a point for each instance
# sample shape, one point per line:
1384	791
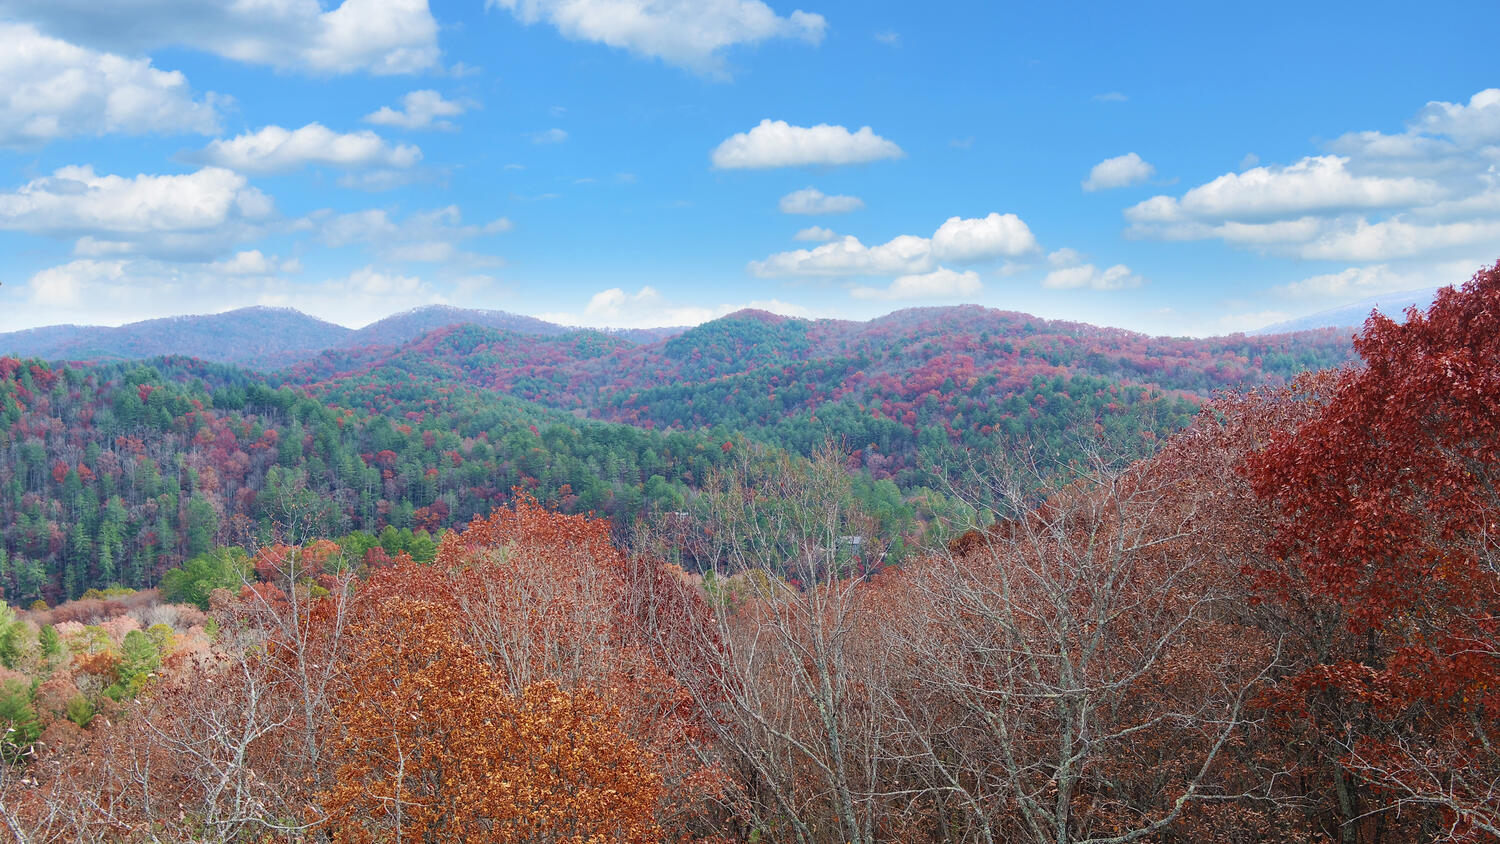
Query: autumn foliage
1282	626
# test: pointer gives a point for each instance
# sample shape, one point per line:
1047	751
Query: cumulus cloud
648	308
1117	277
903	254
190	214
550	136
1122	171
1361	240
966	241
276	150
692	34
1430	190
941	283
1314	184
1476	123
776	143
375	36
425	109
1364	282
64	286
814	201
1071	273
957	240
251	262
815	234
51	89
426	236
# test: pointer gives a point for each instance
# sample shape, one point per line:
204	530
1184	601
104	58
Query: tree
777	658
222	568
1073	672
433	748
1389	497
19	729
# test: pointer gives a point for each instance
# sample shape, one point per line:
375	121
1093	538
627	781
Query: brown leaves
433	748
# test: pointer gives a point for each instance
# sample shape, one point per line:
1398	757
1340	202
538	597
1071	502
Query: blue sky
1181	168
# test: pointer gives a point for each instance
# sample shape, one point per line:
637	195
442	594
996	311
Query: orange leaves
434	748
513	686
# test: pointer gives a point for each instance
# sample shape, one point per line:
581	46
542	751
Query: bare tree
1071	672
777	663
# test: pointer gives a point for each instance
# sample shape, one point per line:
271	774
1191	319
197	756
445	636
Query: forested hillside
1279	626
114	472
110	474
896	389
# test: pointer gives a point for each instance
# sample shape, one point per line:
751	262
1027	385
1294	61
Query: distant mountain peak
758	315
1353	315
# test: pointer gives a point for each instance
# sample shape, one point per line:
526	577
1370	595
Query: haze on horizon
1186	170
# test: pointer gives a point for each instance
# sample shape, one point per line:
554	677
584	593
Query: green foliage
19	728
14	637
80	710
221	568
50	642
161	636
139	659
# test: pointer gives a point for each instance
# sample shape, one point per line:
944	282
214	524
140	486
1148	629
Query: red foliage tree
1390	498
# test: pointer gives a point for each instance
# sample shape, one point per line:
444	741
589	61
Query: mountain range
264	338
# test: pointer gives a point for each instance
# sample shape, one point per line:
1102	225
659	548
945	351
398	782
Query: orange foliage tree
432	747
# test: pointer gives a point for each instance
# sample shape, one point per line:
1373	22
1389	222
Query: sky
1174	168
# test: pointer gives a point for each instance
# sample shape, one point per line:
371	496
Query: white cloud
1117	277
941	283
252	262
1314	184
274	149
688	33
51	89
64	286
815	234
889	38
1431	190
423	109
958	240
972	240
427	236
1065	257
375	36
193	214
648	308
1396	238
779	144
1070	273
814	201
1122	171
1475	124
1351	283
1111	97
550	136
905	254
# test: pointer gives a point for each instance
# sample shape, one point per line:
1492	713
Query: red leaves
1389	503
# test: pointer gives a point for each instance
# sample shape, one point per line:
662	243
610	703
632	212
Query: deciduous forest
957	576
